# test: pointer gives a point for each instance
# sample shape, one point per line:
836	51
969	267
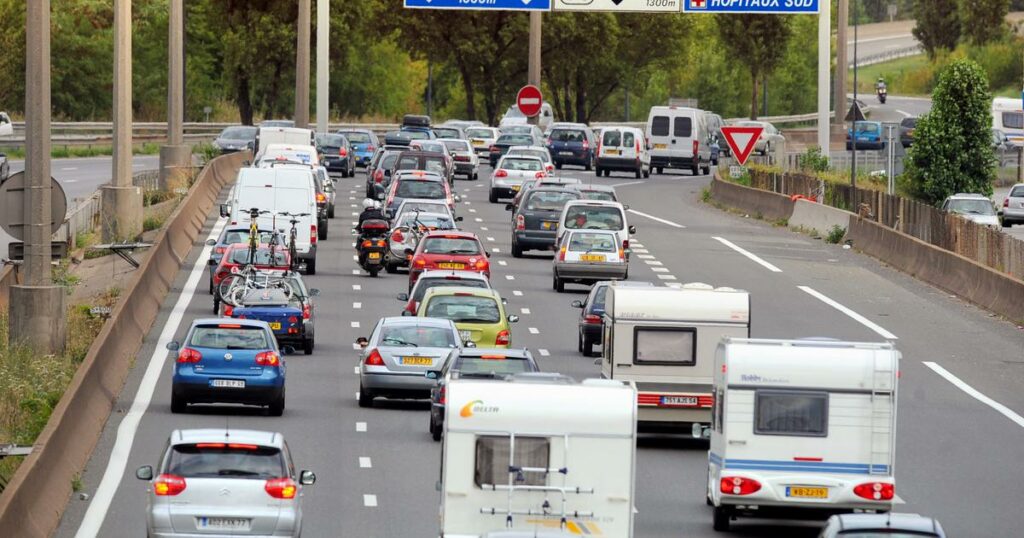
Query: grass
152	223
65	152
155	197
836	234
912	75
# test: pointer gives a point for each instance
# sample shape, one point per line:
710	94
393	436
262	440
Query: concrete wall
756	202
814	216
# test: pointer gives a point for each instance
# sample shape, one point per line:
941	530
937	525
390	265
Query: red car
237	255
449	249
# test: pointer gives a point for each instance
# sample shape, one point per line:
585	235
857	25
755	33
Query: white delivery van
802	426
678	137
595	215
1008	117
538	453
623	149
6	125
283	135
289	188
297	153
663	340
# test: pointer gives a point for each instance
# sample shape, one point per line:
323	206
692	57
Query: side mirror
458	219
380	196
577	304
632	230
211	242
406	313
173	345
362	341
307	478
314	292
510	207
433	374
288	350
457	198
409	252
469	343
144	473
403	296
225	210
513	318
488	254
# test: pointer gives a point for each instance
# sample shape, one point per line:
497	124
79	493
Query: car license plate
228	383
374	255
806	492
478	143
660	146
611	152
223	523
566	153
679	400
515	188
275	325
451	266
465	336
592	257
549	225
417	361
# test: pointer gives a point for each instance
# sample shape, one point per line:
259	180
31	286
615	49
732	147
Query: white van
802	426
514	117
538	453
664	340
678	137
6	126
623	149
297	153
283	135
595	215
1008	117
290	189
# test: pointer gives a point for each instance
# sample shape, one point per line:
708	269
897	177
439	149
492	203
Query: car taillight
342	152
875	491
550	142
312	234
481	264
229	310
378	176
293	319
737	485
696	146
495	149
220	250
374	358
1006	202
520	222
371	149
189	356
592	319
381	243
638	147
500	173
625	244
443	397
321	198
586	145
561	254
281	488
307	311
549	167
622	254
168	485
366	244
221	275
420	262
540	175
270	358
397	237
503	339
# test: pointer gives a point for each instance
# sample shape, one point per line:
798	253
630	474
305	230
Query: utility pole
824	65
533	70
302	67
842	66
36	310
121	201
175	157
853	129
323	75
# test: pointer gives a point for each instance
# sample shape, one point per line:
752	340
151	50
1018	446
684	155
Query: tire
211	281
276	407
579	342
373	271
707	169
588	348
435	430
517	251
640	172
216	305
178	404
647	173
476	176
493	196
321	232
365	397
589	166
607	173
661	170
559	285
307	346
558	166
330	211
598	171
311	266
695	170
390	268
721	519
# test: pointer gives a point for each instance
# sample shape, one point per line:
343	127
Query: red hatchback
449	249
237	255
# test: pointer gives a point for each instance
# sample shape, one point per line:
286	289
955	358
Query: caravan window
492	460
796	413
672	346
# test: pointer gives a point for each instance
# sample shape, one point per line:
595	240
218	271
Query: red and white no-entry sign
741	141
528	100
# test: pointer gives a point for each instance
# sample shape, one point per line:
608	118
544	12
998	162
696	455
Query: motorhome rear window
659	126
670	346
794	413
492	460
1013	120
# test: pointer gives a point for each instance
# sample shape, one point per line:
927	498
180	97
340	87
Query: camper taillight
876	491
738	485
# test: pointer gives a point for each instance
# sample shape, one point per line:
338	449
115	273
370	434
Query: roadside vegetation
65	152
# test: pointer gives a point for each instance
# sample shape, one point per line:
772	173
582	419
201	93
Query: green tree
984	21
757	41
952	149
938	25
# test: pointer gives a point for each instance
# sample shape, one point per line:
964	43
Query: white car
595	215
534	151
973	207
511	172
465	159
482	138
6	126
423	205
588	256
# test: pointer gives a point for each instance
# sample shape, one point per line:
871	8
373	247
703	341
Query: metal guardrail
888	55
84	217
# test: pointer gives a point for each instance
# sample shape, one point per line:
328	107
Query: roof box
415	120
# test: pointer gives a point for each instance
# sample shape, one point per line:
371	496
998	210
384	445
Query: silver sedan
399	352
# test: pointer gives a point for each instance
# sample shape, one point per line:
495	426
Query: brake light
549	167
420	262
503	339
638	147
550	142
586	145
281	488
397	237
293	319
378	176
592	319
367	244
493	357
500	173
875	491
307	311
220	250
370	148
312	234
481	264
342	152
269	358
738	485
540	175
189	356
622	254
168	485
520	222
625	244
1006	202
321	198
229	310
374	358
495	149
561	254
696	146
444	394
380	243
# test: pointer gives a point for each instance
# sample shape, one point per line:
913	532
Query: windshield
221	337
479	133
593	217
568	135
234	237
515	140
241	256
538	153
599	195
330	140
218	459
972	207
456	145
416	135
446	132
549	200
425	284
239	133
356	137
494	365
415	336
464	309
450	245
424	207
593	242
411	188
523	165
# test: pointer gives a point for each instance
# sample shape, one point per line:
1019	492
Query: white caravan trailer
538	453
663	340
802	428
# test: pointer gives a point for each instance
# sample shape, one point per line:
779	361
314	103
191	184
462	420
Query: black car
378	172
338	154
907	127
232	234
535	220
574	146
428	161
591	324
235	138
505	141
473	363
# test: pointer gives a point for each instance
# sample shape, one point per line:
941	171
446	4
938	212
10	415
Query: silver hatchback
212	483
1013	206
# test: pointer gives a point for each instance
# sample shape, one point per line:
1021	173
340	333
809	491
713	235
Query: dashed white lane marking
357	306
355	324
69	168
351	192
356	287
369	501
471	210
972	392
356	347
352	198
355	257
543	352
656	219
667	277
355	271
749	255
360	426
496	249
353	244
355	369
644	256
490	239
640	250
637	245
364	462
659	269
482	229
478	219
653	262
468	202
524	310
534	330
510	277
354	214
517	293
502	262
856	317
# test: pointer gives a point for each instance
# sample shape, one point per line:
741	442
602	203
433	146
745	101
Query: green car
479	314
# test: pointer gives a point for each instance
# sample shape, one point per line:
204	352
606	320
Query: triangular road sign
855	113
741	141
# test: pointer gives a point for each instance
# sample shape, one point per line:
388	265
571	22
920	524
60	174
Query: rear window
435	222
909	123
416	135
523	165
357	137
217	337
676	346
542	155
479	133
410	188
443	132
591	242
549	200
464	309
412	335
492	459
456	145
424	207
971	207
795	413
599	195
430	283
1013	120
494	365
334	141
628	139
583	217
248	133
659	126
234	237
515	140
1017	192
226	460
388	161
683	126
450	245
612	138
241	256
568	135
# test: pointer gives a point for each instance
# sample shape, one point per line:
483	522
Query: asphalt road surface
958	457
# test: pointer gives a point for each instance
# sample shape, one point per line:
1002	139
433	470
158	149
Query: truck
802	429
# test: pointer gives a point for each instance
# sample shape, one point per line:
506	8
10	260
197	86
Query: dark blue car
290	315
228	361
364	143
573	145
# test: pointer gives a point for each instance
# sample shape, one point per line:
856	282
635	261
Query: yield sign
741	141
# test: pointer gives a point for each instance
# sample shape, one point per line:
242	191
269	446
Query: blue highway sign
507	5
751	6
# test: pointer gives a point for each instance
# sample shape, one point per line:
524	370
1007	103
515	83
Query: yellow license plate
515	188
592	257
417	361
806	493
660	146
478	142
451	266
611	152
275	326
375	255
549	225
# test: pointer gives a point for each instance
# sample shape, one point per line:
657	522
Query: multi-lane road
958	451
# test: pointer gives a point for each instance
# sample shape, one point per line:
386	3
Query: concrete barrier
756	202
8	278
956	274
822	218
35	498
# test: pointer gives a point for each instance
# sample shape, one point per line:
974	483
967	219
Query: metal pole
37	144
824	70
533	71
764	96
176	74
890	162
842	65
122	172
323	75
853	131
302	66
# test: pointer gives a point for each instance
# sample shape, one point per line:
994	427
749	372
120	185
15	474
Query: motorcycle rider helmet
368	203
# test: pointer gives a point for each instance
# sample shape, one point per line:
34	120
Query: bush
152	223
836	234
813	161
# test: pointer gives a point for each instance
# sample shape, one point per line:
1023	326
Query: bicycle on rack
292	234
234	287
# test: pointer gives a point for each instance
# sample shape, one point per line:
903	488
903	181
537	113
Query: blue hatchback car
364	143
229	361
869	135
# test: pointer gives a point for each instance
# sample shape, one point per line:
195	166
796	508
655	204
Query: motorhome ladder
517	473
882	413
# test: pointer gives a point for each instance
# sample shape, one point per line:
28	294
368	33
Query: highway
958	439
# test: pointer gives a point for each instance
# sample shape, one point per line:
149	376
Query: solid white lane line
369	501
364	462
972	392
360	426
749	255
856	317
97	512
656	219
543	352
534	330
627	184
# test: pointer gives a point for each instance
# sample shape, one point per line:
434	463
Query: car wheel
607	173
178	404
640	172
435	430
579	342
211	281
390	268
598	171
476	176
373	271
307	346
647	173
517	251
311	266
216	305
558	166
661	170
365	397
321	231
721	519
588	348
330	211
559	284
589	165
695	170
493	197
707	169
276	407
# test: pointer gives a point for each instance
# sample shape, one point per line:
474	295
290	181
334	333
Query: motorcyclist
371	210
880	85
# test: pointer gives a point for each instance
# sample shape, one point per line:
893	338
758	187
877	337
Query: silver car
588	256
465	159
973	207
213	483
1013	206
404	235
399	352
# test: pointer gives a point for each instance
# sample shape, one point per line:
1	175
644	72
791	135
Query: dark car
232	234
450	131
591	324
428	161
364	144
535	221
882	526
378	172
505	141
278	123
473	363
5	168
907	127
235	138
338	154
572	146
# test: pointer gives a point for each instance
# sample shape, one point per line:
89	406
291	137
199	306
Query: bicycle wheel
227	285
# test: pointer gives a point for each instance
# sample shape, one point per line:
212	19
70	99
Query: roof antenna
227	427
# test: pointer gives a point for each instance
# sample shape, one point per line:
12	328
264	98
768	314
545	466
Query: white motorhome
288	188
282	135
1008	117
802	426
538	453
663	340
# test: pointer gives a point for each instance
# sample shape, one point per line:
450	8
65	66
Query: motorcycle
882	94
372	245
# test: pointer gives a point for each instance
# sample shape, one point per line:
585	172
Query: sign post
529	100
741	141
